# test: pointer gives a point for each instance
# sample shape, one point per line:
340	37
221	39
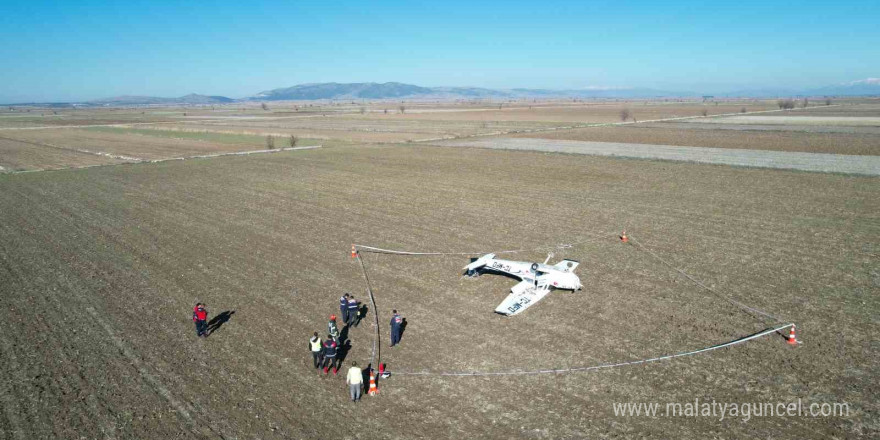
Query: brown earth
100	268
126	144
589	113
847	110
341	134
71	119
834	143
16	155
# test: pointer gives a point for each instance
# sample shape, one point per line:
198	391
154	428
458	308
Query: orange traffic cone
354	252
623	237
792	339
373	389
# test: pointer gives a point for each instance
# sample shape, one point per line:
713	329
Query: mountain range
192	98
396	90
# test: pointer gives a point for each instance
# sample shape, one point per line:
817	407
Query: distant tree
402	109
625	114
270	142
806	102
363	110
499	106
827	101
184	113
742	110
386	111
785	104
264	106
293	140
705	112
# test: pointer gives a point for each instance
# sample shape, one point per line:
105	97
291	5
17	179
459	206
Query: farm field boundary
203	156
817	162
614	124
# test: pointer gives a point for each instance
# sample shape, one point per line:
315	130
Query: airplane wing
516	269
522	296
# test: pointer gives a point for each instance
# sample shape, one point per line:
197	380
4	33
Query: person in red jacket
330	360
200	317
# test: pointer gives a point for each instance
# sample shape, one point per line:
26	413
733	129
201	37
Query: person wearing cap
355	380
333	329
200	317
317	349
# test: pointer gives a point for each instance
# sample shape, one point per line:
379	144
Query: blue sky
77	50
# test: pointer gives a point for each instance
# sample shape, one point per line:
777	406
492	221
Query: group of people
326	353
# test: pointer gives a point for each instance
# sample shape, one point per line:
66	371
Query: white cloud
866	81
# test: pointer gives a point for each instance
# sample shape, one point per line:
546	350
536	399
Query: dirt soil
862	109
132	145
16	155
833	143
100	268
589	113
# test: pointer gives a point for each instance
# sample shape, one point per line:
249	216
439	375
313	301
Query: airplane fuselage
533	271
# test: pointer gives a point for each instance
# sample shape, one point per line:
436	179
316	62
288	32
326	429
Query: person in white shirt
355	380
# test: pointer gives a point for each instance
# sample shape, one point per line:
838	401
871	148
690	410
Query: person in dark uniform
343	307
396	327
333	329
353	306
317	349
200	317
330	355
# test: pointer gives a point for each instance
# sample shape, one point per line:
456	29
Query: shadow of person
342	351
362	313
402	327
216	322
343	335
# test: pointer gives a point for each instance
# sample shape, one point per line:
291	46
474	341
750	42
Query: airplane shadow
216	322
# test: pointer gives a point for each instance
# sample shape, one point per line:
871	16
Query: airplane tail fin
479	262
567	265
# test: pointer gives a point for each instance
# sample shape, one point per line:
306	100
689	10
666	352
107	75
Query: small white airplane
537	280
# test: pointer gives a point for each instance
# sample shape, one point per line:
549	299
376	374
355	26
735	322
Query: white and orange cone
792	338
354	252
373	389
623	237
